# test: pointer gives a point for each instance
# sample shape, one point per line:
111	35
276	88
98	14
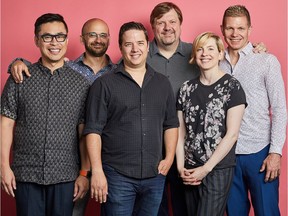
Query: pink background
269	22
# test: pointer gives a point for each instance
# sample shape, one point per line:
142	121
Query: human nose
134	48
167	26
204	52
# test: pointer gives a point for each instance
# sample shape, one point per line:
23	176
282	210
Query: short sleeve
9	99
237	94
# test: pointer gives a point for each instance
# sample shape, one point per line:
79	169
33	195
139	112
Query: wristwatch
85	173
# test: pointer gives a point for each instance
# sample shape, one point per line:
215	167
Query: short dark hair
46	18
163	8
130	26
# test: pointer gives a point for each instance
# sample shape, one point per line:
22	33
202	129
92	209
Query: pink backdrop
269	21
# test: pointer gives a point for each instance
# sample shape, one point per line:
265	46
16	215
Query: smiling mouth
54	51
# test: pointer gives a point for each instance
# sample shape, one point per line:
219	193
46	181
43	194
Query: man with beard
170	56
93	63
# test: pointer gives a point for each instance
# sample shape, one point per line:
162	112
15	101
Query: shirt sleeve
96	109
9	99
237	94
276	94
171	120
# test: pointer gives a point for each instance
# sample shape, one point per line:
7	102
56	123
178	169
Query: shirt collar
81	58
245	51
153	48
120	69
58	71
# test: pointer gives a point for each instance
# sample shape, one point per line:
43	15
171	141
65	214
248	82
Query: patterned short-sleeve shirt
47	109
204	111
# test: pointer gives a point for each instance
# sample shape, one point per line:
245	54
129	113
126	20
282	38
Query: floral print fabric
204	110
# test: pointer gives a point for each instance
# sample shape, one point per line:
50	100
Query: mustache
98	43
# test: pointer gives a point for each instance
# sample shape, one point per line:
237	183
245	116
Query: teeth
205	60
54	50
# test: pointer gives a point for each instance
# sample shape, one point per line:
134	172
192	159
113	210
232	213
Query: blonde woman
210	109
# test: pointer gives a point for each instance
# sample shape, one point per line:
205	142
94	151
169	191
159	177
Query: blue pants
128	196
264	196
44	200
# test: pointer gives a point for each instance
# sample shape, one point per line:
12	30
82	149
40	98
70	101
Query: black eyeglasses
47	38
94	35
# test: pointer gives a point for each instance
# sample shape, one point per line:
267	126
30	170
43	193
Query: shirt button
144	134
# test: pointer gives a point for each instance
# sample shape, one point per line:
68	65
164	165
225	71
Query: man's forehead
53	27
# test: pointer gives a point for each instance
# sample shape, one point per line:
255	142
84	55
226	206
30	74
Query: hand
259	48
8	182
164	167
99	186
17	69
81	187
194	176
272	165
188	179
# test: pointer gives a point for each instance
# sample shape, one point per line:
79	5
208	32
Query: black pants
177	194
210	197
44	200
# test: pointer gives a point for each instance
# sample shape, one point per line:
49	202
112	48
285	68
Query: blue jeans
264	195
126	194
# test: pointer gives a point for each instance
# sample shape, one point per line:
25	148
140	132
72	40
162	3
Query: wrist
85	173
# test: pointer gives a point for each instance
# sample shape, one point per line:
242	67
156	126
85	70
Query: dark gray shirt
47	109
177	68
131	120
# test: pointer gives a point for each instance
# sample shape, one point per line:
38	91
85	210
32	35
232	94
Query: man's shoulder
265	58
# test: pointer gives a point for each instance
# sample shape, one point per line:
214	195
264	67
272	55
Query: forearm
233	122
94	145
7	126
85	162
221	151
170	140
180	154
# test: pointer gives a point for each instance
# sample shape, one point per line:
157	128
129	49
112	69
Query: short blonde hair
201	39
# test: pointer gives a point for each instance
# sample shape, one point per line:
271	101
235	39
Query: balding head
95	25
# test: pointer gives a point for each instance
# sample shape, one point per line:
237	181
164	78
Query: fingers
9	189
162	169
17	72
99	195
271	175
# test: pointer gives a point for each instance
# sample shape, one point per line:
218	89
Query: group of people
117	128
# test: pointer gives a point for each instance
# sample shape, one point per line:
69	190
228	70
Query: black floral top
204	112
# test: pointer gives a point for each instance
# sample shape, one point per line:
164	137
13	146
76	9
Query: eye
128	44
92	35
103	35
61	36
47	37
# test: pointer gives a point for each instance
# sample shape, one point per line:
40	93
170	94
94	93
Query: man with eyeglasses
43	119
92	64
